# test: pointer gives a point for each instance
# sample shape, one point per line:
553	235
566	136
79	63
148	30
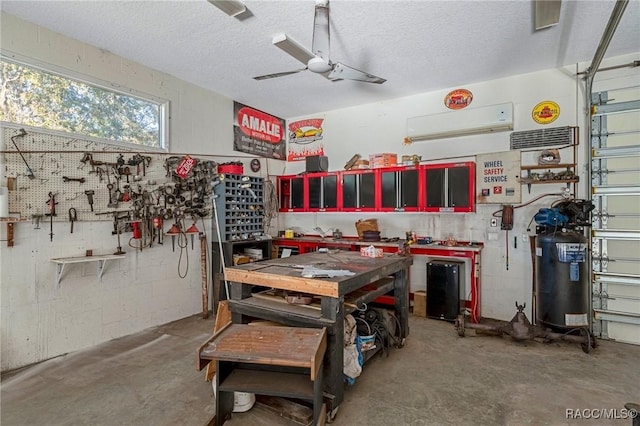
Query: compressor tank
562	280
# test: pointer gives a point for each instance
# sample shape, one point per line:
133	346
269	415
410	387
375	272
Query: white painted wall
143	290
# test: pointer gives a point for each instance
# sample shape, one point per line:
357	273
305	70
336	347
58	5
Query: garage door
615	173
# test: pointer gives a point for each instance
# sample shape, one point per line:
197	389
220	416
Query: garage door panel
623	257
615	169
624	332
621	122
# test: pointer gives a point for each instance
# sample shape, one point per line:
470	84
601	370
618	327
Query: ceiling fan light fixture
318	65
293	48
230	7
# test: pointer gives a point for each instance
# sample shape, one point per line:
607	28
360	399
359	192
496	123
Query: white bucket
242	401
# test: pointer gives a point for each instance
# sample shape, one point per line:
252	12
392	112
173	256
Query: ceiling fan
318	60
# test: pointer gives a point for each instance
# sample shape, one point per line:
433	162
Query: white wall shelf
101	259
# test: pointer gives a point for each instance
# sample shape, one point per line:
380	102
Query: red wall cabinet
291	193
437	188
400	189
357	191
449	188
322	191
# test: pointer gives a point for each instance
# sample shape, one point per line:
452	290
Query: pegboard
54	158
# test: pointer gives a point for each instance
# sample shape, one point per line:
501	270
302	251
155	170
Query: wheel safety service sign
498	178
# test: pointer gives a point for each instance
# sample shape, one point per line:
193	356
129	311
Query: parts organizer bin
240	208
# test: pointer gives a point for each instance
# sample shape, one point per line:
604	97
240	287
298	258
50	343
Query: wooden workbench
369	273
278	361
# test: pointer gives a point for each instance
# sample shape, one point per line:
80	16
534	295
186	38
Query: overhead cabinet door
399	189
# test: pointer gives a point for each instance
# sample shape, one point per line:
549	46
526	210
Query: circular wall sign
458	99
255	165
545	112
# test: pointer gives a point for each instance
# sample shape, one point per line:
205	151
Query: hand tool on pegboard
73	217
89	193
51	204
68	179
21	133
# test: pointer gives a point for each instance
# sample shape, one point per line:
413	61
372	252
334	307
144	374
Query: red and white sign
305	138
184	167
259	125
258	133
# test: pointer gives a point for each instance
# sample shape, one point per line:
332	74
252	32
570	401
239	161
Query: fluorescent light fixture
230	7
293	48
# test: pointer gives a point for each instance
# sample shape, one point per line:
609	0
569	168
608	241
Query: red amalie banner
256	132
305	138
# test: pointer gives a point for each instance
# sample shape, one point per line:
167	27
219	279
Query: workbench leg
238	291
224	400
317	396
333	310
401	298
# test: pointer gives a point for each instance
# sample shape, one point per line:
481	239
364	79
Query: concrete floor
438	378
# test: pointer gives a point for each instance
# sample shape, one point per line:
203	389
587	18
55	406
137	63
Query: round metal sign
545	112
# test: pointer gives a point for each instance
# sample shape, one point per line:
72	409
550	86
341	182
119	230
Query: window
34	97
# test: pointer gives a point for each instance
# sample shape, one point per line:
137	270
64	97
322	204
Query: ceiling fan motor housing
318	65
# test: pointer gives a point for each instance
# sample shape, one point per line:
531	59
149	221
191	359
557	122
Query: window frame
163	104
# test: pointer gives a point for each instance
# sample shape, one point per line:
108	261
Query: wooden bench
266	360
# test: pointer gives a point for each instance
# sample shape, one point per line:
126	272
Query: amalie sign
260	125
257	132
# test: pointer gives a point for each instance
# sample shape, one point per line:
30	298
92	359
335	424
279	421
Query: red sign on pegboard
184	167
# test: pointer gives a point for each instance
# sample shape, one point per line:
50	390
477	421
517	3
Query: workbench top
285	273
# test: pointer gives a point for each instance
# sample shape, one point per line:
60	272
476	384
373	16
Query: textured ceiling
418	46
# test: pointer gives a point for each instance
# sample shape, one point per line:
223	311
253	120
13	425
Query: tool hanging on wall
68	179
116	220
73	217
157	227
21	133
89	193
51	204
506	224
173	231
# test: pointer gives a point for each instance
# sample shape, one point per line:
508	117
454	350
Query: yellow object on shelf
288	233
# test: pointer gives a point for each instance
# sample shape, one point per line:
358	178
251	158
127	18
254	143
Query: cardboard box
383	160
420	303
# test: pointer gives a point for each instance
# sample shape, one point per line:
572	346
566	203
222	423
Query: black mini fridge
443	290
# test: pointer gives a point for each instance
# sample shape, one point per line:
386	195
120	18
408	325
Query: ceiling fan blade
320	44
547	13
344	72
278	74
293	48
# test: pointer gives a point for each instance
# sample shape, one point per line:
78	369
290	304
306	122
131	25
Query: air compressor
561	293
